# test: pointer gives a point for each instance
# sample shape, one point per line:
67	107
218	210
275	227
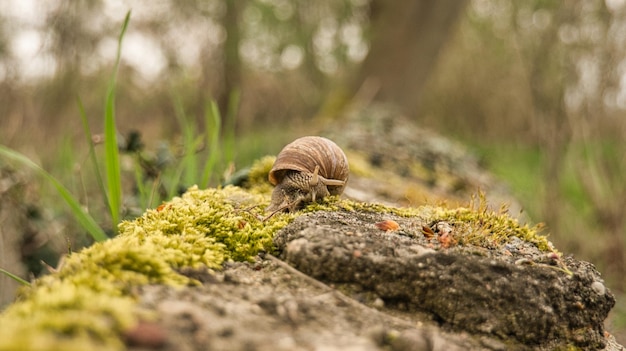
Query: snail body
308	169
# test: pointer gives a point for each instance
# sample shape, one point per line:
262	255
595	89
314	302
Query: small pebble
598	288
388	225
412	340
378	303
377	334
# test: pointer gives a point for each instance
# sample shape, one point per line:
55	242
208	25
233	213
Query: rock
320	295
265	309
275	309
482	292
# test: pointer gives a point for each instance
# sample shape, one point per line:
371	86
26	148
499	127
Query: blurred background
537	89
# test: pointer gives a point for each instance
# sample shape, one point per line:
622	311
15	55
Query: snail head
299	188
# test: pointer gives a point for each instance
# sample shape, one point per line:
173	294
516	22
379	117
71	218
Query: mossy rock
191	275
510	290
90	301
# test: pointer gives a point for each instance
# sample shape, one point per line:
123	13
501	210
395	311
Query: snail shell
307	169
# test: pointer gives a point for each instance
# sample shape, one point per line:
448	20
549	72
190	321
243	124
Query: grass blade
230	125
189	164
14	277
112	163
85	220
212	121
92	150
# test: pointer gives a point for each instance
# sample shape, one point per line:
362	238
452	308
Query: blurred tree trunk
232	61
407	37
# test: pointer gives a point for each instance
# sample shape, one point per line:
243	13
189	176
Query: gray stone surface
340	283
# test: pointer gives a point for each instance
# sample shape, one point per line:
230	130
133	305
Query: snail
308	169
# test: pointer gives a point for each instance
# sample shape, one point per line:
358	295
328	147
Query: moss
475	224
62	316
479	225
333	203
90	301
227	220
257	177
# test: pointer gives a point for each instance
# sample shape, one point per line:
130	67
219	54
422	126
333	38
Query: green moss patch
89	302
481	226
257	177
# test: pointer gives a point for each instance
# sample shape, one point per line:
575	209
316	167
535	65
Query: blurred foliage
291	52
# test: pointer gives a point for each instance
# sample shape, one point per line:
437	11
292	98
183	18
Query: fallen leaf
388	225
146	334
428	232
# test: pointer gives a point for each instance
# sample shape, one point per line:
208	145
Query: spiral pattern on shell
303	154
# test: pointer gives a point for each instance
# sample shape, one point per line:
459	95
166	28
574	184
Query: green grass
112	194
213	122
521	168
199	163
187	169
84	218
92	152
14	277
230	125
113	172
